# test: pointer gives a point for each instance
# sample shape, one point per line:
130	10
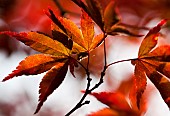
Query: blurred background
19	96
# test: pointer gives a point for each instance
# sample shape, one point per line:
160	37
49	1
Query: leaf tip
40	104
162	22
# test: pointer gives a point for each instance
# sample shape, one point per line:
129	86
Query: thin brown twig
120	61
105	59
82	102
88	90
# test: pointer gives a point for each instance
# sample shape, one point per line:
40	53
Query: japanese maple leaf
58	52
154	64
84	39
108	19
117	105
55	61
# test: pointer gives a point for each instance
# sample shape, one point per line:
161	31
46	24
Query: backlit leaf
55	19
51	81
150	40
118	105
139	83
87	27
73	31
113	100
161	53
160	58
70	30
111	16
154	63
34	64
97	40
83	40
75	47
162	84
104	112
95	12
40	43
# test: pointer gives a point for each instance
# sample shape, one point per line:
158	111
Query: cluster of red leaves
19	15
117	101
68	45
151	63
108	18
59	53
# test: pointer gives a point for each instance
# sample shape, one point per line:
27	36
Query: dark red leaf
150	40
72	64
51	81
162	84
34	64
63	39
95	12
115	101
55	19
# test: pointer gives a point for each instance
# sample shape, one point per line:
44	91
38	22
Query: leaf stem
88	90
105	59
82	102
120	61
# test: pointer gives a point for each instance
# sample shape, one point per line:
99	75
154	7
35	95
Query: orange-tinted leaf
75	47
96	12
149	62
104	112
150	40
82	39
156	66
140	82
161	53
116	101
97	40
162	84
51	81
160	59
87	27
55	19
34	64
40	42
73	31
111	16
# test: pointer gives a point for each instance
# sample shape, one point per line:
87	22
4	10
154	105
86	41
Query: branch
82	102
121	61
88	90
